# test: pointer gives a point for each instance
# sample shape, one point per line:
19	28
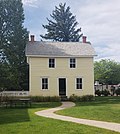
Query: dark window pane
70	60
80	86
51	63
80	80
44	83
77	80
42	86
78	83
77	86
73	60
46	86
72	63
45	80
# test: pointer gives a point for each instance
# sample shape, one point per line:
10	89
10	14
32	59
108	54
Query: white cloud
31	3
110	52
99	20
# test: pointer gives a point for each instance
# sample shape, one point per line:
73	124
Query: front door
62	86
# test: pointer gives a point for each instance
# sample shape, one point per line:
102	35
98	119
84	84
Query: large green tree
107	71
13	38
62	25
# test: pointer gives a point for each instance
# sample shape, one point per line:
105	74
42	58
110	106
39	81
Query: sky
98	19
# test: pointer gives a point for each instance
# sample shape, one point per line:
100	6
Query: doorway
62	86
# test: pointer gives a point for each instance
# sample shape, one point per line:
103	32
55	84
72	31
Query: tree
4	70
107	71
13	38
62	27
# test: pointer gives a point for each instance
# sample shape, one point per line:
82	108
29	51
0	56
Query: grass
103	109
23	121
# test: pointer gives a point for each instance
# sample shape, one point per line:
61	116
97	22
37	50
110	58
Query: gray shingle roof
59	49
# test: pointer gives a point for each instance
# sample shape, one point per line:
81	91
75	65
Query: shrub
45	98
105	92
91	97
76	98
55	99
98	92
6	98
33	98
117	91
84	98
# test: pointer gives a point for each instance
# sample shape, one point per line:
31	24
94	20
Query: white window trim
75	62
82	83
41	83
55	63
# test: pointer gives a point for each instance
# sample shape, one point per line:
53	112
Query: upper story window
78	83
51	63
72	62
44	83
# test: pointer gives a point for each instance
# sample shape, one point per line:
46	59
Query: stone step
64	98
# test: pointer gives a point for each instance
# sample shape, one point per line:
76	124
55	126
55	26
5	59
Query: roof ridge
59	48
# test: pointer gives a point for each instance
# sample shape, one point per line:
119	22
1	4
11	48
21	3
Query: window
78	83
72	62
51	63
44	83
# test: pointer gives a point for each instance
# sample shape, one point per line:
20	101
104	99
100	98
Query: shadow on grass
16	114
20	114
12	115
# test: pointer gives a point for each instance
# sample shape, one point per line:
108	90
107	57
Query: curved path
49	113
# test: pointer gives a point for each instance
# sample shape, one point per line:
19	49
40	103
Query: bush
117	91
76	98
6	98
45	98
84	98
33	98
98	92
105	92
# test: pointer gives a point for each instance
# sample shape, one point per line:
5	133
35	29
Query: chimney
84	39
32	38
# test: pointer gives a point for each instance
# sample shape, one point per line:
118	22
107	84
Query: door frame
58	84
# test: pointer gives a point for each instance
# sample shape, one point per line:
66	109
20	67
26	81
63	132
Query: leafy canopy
62	26
107	71
13	38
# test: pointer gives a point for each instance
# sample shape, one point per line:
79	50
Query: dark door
62	86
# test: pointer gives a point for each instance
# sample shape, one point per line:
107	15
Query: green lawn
24	121
103	108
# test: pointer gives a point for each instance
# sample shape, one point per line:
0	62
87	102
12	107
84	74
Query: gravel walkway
50	114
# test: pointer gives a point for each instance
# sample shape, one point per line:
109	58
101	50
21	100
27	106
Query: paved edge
49	113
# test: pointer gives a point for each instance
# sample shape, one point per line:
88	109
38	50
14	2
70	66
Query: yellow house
60	68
